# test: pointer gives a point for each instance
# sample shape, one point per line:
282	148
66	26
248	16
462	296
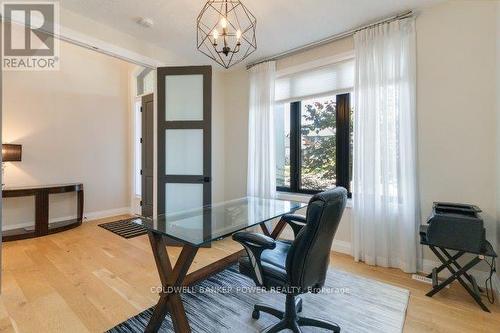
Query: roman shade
333	78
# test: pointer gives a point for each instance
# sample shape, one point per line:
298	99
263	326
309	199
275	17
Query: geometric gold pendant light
226	31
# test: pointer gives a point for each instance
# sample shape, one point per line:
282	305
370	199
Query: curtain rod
333	38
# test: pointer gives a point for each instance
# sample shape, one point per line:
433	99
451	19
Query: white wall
218	136
74	126
498	135
236	133
455	106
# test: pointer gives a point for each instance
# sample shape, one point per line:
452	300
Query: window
314	144
314	125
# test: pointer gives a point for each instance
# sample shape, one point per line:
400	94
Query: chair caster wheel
255	314
298	304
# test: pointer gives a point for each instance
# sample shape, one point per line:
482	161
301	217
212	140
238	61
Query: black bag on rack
455	226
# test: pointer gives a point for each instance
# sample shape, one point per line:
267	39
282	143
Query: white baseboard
18	225
87	216
342	247
32	223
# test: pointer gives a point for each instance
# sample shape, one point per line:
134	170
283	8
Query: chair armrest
254	244
254	240
296	221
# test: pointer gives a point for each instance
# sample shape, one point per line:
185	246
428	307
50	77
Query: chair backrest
309	256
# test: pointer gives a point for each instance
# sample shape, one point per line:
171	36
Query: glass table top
209	223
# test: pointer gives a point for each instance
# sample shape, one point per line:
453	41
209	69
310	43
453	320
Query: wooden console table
41	194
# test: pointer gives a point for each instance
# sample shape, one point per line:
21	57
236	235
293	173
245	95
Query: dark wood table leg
172	280
276	231
265	229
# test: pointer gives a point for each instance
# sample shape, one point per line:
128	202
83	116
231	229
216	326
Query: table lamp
10	153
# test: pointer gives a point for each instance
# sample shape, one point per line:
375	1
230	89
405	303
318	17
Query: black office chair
298	266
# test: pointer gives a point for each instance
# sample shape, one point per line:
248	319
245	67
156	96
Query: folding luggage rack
456	227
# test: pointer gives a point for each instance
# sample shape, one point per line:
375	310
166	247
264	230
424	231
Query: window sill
301	197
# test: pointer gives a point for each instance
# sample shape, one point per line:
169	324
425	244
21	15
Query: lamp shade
11	153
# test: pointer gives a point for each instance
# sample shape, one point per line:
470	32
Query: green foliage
319	145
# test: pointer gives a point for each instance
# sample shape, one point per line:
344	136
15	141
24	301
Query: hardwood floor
88	280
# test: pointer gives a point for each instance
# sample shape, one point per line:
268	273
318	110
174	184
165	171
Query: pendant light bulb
223	23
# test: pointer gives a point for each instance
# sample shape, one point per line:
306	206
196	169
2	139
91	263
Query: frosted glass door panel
182	197
183	97
184	141
184	152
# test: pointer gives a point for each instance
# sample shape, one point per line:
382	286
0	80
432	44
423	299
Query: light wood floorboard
88	280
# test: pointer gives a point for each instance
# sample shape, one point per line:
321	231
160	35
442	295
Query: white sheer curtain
261	179
385	193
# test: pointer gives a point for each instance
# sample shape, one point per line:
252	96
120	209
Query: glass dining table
197	228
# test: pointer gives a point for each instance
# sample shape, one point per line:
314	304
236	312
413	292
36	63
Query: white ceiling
281	24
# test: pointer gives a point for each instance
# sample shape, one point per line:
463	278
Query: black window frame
342	165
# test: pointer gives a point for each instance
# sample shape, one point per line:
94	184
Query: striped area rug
125	228
223	303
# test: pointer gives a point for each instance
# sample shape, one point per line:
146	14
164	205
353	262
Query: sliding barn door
184	138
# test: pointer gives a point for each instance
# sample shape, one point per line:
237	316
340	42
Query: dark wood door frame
205	124
147	153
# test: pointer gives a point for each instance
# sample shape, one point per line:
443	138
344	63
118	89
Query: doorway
143	144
